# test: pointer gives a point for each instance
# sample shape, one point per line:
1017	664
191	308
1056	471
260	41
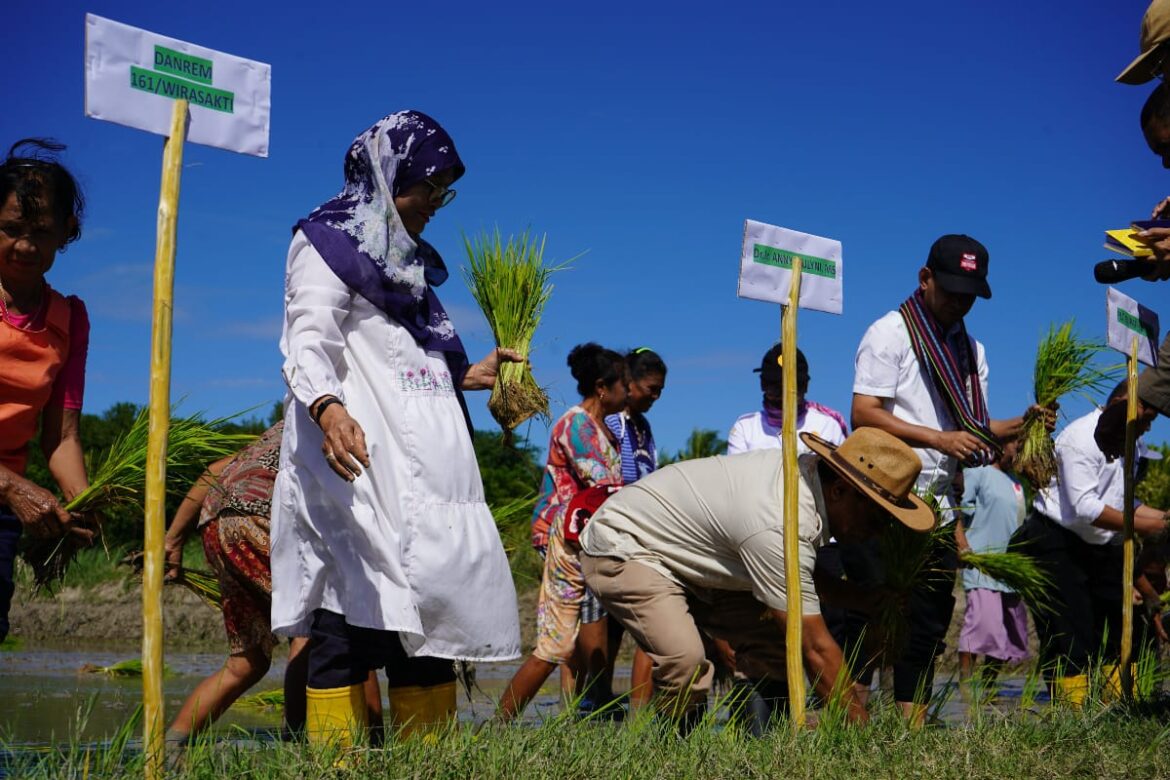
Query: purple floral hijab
361	238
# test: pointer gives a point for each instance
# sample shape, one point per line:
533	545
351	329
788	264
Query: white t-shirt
753	432
886	367
1085	482
715	523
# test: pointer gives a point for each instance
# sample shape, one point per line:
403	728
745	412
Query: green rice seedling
129	668
119	480
263	700
203	585
1015	570
905	556
514	521
511	283
1064	364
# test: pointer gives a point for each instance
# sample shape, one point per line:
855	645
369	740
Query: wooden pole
1127	538
156	446
792	502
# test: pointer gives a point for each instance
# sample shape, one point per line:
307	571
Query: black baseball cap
771	371
959	263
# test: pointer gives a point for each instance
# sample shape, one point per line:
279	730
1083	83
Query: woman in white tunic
383	550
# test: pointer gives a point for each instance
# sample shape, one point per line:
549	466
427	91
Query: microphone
1113	271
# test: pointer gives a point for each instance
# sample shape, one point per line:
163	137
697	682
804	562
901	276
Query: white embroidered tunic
410	545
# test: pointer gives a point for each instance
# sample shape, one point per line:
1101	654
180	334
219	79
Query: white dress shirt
887	368
1085	482
752	432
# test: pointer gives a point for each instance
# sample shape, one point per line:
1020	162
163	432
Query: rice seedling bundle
128	668
511	283
263	700
905	558
203	585
119	480
1015	570
1064	364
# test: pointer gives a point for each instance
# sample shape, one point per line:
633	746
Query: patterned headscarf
362	239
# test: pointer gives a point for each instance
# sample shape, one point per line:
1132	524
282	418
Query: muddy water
47	698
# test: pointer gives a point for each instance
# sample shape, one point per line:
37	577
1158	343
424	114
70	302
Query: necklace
6	317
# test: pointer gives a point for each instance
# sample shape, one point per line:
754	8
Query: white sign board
133	77
765	268
1128	318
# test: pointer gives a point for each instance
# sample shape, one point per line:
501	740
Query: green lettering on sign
1134	324
782	258
180	89
177	63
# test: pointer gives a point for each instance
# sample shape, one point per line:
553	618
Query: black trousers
836	618
930	605
1081	625
341	655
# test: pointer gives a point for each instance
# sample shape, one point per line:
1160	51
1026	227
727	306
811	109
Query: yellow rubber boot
417	709
1071	690
334	716
1112	675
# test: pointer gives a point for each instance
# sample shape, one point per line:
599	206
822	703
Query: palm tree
700	444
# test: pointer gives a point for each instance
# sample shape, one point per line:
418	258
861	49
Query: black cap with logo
959	263
771	370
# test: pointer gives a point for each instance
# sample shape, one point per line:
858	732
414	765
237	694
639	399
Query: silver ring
329	456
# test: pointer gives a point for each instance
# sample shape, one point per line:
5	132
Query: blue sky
644	134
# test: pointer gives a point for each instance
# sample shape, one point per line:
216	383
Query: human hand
725	653
1158	240
482	375
41	514
1162	210
345	443
1046	413
960	444
174	558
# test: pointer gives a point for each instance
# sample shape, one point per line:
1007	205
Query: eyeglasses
441	195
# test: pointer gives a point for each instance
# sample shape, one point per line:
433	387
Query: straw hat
1155	32
882	467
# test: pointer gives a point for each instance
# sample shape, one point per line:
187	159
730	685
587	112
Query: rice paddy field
997	742
60	721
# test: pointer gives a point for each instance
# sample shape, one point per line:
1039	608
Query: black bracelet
321	407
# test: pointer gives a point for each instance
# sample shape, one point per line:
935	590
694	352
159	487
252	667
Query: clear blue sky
644	134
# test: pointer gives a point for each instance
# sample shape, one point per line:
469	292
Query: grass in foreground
1057	743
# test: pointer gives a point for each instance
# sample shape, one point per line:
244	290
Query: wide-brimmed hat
1155	32
881	466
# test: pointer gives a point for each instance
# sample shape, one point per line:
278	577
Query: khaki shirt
715	523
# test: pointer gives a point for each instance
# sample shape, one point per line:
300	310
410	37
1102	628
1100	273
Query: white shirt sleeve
316	302
877	365
737	442
1077	478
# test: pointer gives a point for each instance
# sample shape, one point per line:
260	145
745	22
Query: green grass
1056	743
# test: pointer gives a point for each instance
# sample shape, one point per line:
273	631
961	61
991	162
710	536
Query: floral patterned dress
581	454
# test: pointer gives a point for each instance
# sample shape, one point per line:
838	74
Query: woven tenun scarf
951	374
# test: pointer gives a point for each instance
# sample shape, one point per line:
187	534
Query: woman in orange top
44	337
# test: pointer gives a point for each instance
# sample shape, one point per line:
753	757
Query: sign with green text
133	76
765	267
1129	319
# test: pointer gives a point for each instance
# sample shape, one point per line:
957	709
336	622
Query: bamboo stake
156	459
792	502
1127	538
